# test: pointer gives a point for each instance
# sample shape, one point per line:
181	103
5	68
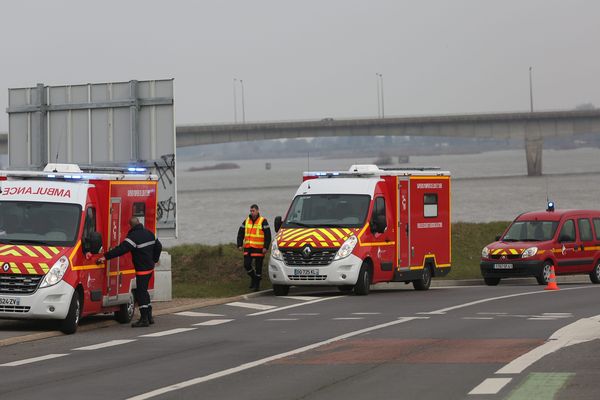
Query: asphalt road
446	343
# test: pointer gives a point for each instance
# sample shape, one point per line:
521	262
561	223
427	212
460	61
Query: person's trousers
256	272
141	292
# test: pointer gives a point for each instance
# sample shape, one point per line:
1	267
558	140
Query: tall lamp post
234	102
378	96
380	82
243	103
530	91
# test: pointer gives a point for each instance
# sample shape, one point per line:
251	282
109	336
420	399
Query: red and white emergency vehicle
363	226
54	225
536	241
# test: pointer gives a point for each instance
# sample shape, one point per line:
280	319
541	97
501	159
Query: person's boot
150	317
252	280
256	286
143	321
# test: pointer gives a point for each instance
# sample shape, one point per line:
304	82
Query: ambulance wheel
491	281
281	290
71	321
544	276
125	313
364	280
345	288
595	274
425	281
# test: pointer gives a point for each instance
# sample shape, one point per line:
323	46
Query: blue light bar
51	176
136	169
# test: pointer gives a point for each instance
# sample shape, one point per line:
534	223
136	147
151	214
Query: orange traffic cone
552	281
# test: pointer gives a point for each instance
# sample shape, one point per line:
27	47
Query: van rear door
112	266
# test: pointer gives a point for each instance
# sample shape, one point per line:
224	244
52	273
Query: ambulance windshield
531	231
328	210
39	223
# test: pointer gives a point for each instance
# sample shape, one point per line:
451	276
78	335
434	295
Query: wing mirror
277	223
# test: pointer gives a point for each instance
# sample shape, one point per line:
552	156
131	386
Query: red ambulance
54	225
569	240
363	226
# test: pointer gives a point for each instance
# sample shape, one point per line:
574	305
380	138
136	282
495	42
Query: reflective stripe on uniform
254	235
139	246
131	242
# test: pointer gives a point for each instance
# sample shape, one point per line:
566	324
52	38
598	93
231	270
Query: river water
489	186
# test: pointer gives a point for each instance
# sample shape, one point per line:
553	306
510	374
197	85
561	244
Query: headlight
485	252
56	273
530	252
346	248
275	253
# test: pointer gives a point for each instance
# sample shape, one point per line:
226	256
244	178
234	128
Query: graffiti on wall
165	170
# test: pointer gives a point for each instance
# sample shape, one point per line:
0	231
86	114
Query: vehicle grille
19	284
316	257
15	309
507	256
307	277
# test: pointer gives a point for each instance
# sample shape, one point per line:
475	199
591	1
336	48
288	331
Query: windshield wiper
299	224
24	241
334	226
509	240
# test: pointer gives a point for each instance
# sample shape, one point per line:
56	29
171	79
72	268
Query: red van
569	240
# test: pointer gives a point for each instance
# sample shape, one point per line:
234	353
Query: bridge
532	127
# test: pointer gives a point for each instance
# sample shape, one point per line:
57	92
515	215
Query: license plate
503	266
304	271
8	301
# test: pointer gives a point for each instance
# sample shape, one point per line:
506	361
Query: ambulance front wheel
281	290
425	281
125	313
544	275
491	281
595	274
70	323
363	284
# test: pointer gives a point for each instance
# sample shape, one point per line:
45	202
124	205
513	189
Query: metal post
134	120
243	104
41	127
234	102
378	97
382	97
530	92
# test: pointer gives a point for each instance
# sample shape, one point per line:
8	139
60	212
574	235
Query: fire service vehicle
54	225
363	226
568	240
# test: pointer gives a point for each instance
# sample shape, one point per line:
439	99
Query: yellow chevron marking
303	237
494	252
14	268
513	251
42	251
6	246
298	233
29	252
328	234
54	250
347	231
338	233
292	244
44	267
336	243
319	237
30	268
11	252
324	244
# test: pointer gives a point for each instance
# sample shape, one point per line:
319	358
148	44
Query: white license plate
503	266
9	301
304	271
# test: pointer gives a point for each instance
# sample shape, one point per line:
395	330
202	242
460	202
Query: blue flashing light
76	176
136	169
51	176
68	176
550	206
140	169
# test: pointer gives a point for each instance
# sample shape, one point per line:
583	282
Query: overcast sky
313	59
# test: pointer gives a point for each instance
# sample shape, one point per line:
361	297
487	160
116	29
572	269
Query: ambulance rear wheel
70	323
595	274
544	276
125	313
364	281
491	281
425	281
281	290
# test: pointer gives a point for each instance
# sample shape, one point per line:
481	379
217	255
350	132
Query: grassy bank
216	271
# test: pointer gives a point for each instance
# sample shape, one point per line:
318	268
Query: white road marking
581	331
32	360
305	313
198	314
282	319
254	306
213	322
366	313
169	332
252	364
488	318
541	319
558	314
472	303
294	305
344	318
106	344
302	298
492	313
490	386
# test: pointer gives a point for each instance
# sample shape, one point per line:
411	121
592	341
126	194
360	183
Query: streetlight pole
378	97
530	91
382	96
243	103
234	102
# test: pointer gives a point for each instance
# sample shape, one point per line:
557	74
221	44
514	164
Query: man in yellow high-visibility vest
254	238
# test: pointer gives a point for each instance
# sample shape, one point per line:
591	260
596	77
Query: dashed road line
198	314
366	313
253	306
32	360
347	318
213	322
485	318
490	386
294	305
306	313
169	332
302	298
282	319
106	344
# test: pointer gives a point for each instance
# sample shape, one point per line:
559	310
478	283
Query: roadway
455	342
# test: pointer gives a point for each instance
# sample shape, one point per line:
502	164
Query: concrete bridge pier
534	144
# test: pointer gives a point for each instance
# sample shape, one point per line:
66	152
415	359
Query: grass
204	271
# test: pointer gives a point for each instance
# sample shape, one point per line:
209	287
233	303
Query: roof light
136	169
51	176
550	206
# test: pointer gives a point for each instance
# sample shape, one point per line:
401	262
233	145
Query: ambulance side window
378	217
567	232
89	227
139	211
597	227
430	205
585	229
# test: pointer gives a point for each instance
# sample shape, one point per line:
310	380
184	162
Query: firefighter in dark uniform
145	251
254	238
